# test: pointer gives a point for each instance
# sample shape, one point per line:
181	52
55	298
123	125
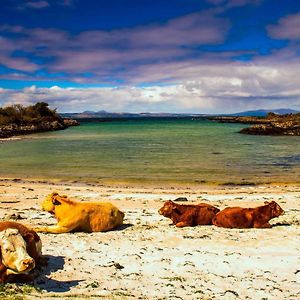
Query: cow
188	215
258	217
80	216
20	250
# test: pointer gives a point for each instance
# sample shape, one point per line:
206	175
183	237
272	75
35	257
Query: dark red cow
188	215
238	217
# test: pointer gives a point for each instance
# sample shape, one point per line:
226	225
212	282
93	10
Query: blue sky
192	56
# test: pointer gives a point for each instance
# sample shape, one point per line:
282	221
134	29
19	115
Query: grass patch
16	291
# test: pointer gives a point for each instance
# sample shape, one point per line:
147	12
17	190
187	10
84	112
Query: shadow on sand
123	227
43	282
281	224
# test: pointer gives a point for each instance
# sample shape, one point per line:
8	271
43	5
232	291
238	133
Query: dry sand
150	259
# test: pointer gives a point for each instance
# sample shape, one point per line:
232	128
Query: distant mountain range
102	114
110	115
264	112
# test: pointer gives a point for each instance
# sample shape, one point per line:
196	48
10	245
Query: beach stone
181	199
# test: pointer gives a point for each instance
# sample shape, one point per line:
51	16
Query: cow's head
167	208
276	210
13	252
51	202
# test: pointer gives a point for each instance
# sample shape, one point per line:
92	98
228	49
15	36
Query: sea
153	151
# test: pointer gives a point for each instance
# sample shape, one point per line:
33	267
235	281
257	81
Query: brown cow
20	251
188	215
238	217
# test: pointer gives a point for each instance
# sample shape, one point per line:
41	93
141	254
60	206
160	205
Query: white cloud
209	89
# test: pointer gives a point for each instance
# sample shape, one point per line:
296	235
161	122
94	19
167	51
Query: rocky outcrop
70	122
273	129
19	120
272	124
14	129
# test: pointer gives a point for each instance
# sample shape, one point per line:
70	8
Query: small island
18	120
272	124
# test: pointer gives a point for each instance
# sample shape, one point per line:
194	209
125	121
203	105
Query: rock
181	199
272	124
118	266
13	216
70	122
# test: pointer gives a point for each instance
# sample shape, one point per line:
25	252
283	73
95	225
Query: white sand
149	259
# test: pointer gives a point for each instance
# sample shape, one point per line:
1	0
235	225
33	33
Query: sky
180	56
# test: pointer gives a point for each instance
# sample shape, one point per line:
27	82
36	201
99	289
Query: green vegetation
16	291
31	115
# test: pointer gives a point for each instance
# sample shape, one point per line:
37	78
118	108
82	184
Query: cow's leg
261	225
3	275
183	224
54	229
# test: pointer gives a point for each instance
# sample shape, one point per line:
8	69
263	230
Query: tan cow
80	216
20	249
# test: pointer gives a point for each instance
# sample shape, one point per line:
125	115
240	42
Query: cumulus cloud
287	28
166	53
117	50
211	89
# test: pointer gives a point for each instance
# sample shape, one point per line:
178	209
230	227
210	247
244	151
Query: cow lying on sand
188	215
80	216
20	251
258	217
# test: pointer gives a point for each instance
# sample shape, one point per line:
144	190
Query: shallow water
155	150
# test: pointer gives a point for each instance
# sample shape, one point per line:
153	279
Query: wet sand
148	258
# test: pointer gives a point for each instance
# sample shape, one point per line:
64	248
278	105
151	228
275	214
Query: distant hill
264	112
110	115
102	114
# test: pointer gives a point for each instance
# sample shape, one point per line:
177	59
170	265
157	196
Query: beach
147	258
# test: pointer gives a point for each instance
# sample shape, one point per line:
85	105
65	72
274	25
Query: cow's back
205	214
234	217
102	216
194	214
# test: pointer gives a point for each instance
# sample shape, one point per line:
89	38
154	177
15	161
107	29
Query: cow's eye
9	249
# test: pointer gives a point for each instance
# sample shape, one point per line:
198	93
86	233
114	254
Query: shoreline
148	184
148	258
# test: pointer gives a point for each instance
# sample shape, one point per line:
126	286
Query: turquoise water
155	150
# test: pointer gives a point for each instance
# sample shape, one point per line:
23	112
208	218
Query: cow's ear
272	204
266	202
56	202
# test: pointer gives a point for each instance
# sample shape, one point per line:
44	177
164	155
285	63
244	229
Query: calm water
153	151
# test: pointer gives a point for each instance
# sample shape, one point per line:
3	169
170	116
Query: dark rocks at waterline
8	131
272	129
272	124
70	122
